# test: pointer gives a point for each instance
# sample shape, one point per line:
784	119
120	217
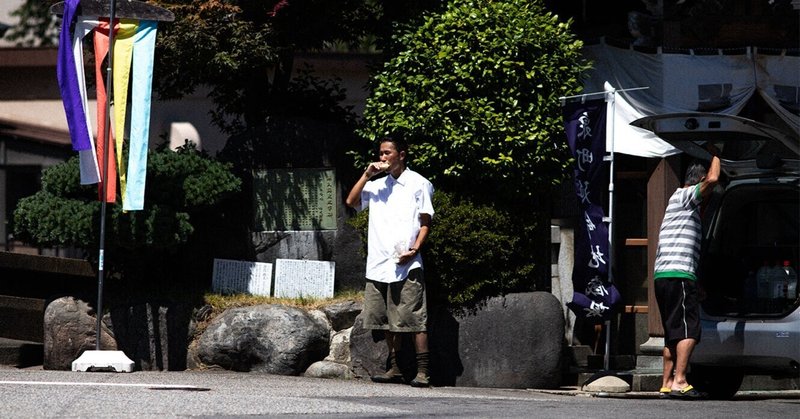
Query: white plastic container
790	280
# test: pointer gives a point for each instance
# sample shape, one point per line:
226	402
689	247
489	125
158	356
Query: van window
755	225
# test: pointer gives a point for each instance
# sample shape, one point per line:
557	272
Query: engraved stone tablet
304	278
294	199
236	277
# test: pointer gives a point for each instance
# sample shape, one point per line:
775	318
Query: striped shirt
680	237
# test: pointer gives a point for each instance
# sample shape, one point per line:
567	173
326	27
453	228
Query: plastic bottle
750	286
750	291
790	280
776	281
762	281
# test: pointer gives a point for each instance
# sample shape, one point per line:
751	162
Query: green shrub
181	185
474	88
473	252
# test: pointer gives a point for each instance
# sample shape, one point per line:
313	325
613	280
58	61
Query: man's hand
407	256
376	167
715	152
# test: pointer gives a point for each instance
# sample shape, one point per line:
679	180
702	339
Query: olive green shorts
397	306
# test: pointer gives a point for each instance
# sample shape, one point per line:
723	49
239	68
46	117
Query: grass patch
220	303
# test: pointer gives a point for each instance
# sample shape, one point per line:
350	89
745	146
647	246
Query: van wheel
720	383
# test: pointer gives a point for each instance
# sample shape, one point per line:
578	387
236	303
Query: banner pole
610	97
106	144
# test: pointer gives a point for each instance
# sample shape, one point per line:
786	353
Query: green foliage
180	185
472	252
475	89
243	52
36	26
50	220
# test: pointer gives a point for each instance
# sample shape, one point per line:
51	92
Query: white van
750	310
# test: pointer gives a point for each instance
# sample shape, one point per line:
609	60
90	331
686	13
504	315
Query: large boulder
508	342
368	351
512	342
269	338
70	327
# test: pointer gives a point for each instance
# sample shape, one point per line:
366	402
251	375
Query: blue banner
594	296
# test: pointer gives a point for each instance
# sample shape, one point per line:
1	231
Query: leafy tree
243	51
36	27
182	186
475	88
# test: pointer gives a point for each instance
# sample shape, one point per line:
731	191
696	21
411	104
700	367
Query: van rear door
747	147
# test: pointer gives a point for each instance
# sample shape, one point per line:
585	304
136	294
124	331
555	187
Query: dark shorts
397	306
680	310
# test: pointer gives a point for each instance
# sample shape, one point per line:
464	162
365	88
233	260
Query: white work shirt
394	206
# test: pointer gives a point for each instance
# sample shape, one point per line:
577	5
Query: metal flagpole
611	96
107	360
106	143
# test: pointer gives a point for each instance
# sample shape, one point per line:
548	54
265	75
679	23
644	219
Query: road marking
148	386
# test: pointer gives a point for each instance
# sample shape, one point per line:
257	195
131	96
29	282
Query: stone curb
742	395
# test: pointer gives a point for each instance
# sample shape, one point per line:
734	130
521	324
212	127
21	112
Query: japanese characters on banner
594	297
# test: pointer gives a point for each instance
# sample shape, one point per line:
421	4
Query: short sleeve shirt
395	206
679	240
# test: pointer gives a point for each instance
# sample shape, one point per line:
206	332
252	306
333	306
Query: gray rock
368	351
340	347
329	369
343	314
322	318
512	342
268	338
70	327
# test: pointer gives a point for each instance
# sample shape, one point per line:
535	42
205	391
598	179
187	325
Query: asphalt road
29	393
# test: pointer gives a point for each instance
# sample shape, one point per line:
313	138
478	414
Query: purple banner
594	296
68	81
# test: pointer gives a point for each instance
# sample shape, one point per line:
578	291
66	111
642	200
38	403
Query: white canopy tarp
687	82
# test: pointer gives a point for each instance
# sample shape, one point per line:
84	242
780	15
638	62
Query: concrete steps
20	353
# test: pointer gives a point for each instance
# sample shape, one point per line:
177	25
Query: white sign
237	276
304	278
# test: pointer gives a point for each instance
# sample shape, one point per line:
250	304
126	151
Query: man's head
394	151
695	173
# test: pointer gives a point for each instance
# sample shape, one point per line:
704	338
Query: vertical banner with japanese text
594	295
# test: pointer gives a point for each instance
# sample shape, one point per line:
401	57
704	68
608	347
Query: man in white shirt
400	212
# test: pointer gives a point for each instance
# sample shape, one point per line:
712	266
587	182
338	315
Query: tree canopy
242	50
475	89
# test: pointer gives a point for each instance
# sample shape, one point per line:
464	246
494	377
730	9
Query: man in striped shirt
675	274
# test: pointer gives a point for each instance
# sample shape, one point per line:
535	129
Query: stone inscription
294	199
237	277
304	278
